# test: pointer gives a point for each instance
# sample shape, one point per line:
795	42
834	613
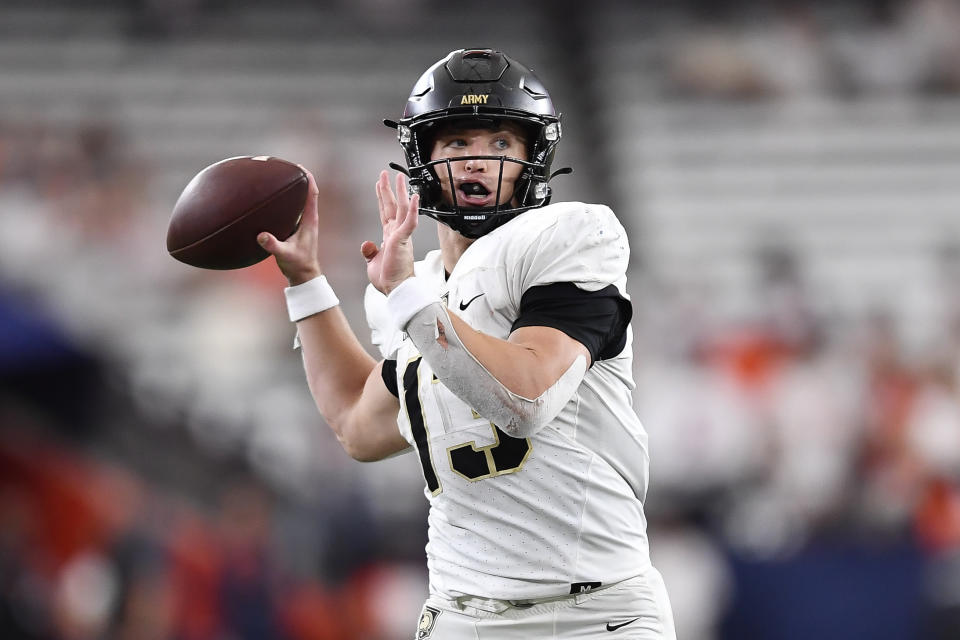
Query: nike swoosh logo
464	305
614	627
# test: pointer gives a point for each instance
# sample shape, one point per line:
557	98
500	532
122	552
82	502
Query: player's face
475	181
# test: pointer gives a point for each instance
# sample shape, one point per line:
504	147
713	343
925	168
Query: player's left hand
392	262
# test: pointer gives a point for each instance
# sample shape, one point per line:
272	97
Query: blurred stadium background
789	173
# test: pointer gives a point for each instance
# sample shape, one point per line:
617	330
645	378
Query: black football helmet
478	88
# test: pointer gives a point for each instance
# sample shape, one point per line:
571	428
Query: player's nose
473	164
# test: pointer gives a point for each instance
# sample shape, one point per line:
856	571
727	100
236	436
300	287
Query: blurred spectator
85	595
697	577
247	583
24	585
791	49
714	63
933	438
702	425
889	472
876	56
159	19
935	26
812	405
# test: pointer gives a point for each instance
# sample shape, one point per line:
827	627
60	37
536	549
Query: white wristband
310	297
412	295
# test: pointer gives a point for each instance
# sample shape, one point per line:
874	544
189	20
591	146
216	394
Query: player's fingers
389	201
411	215
309	217
403	199
269	242
305	234
379	188
312	190
289	247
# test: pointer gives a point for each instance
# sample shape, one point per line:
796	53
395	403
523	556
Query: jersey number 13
505	455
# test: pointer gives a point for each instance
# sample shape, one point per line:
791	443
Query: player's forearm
431	328
348	389
523	369
336	365
435	336
526	368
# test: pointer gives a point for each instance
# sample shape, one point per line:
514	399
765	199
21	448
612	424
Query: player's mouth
474	194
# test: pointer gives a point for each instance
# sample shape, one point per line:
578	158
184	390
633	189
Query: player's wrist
407	298
389	286
300	276
309	298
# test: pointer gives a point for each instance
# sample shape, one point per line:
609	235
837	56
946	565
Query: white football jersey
560	511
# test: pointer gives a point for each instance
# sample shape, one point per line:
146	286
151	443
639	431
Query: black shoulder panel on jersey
389	374
596	319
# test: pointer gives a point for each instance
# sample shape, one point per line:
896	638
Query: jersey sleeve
383	334
580	243
570	266
389	374
596	319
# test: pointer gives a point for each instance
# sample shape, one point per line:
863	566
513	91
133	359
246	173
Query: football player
506	367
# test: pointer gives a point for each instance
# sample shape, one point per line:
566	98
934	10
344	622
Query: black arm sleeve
389	375
596	319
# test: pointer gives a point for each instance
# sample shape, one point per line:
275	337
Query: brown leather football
218	216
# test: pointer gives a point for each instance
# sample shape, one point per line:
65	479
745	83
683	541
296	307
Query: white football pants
635	609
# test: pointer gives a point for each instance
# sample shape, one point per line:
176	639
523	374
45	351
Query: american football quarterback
505	367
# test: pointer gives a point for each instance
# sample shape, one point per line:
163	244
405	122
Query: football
217	218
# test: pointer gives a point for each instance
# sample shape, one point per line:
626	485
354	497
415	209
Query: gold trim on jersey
488	456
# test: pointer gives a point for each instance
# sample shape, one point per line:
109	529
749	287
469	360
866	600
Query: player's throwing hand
297	256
